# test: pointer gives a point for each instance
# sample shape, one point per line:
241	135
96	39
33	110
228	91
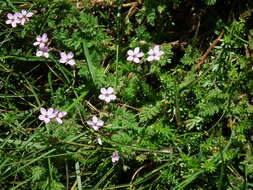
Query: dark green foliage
174	126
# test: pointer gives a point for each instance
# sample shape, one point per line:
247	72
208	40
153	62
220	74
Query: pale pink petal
70	55
42	117
96	128
71	62
36	43
14	24
103	90
59	120
136	50
44	38
150	58
29	14
130	52
112	97
100	123
50	111
62	114
38	38
136	60
161	52
46	120
130	58
157	58
107	99
10	16
140	54
156	48
8	21
101	97
41	45
109	90
46	55
94	119
23	12
43	111
90	122
39	53
22	21
151	52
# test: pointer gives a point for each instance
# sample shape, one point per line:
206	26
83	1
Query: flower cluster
18	18
47	115
136	54
41	41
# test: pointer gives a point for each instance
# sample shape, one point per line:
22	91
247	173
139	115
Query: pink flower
46	115
154	54
41	40
42	52
115	157
67	58
134	55
23	16
107	94
59	115
12	19
95	123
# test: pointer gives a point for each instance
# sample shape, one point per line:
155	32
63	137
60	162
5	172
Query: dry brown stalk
203	57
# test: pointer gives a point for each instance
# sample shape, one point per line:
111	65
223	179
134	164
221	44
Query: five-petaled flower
46	115
59	115
41	41
95	123
67	58
107	94
23	16
43	52
134	55
12	19
115	157
154	54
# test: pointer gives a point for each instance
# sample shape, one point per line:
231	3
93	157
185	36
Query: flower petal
10	16
50	111
140	54
46	55
103	90
39	53
59	120
90	122
29	14
157	48
71	62
112	97
136	50
41	117
109	90
101	97
43	111
44	38
94	119
100	123
150	58
136	60
130	52
95	127
70	55
130	58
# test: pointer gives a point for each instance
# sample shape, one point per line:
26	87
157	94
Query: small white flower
134	55
41	40
59	115
95	123
115	157
12	19
107	94
23	16
46	115
67	58
154	54
42	52
99	141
